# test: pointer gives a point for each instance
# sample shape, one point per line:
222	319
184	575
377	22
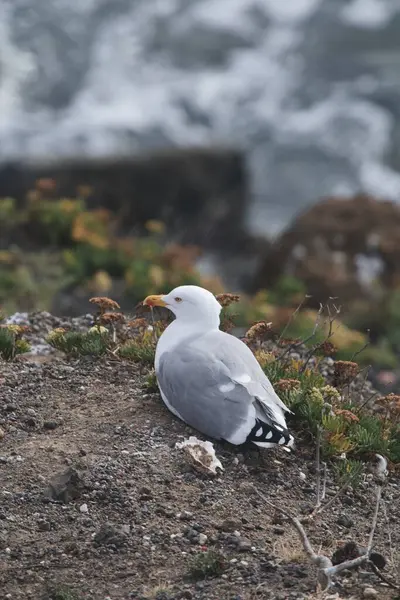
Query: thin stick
292	316
323	495
307	339
331	501
300	529
327	337
375	519
377	572
388	531
367	343
318	467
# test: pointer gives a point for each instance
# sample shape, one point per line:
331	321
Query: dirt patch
138	513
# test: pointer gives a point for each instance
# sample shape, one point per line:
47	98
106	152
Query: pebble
229	525
43	525
84	508
50	425
202	539
370	592
244	545
185	515
2	433
345	521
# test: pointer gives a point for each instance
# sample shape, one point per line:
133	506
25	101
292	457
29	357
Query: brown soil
137	509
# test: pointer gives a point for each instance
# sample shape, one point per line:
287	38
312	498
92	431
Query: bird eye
178	300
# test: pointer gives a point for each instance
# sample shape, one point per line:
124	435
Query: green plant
12	342
61	592
138	350
209	563
94	342
347	470
53	220
9	214
150	383
287	291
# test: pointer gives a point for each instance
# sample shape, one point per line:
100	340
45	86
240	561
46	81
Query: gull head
189	302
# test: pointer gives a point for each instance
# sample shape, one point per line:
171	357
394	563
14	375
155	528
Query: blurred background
247	145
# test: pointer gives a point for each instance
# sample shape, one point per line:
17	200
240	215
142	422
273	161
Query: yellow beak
154	301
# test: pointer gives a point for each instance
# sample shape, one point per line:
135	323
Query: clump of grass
60	592
210	563
12	342
348	470
94	342
140	351
150	383
159	592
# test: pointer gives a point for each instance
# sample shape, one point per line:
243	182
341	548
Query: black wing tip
271	433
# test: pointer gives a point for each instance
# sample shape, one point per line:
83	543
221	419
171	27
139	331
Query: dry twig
326	570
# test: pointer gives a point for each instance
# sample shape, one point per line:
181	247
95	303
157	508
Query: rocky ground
97	503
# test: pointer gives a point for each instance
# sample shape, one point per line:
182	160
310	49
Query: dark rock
50	425
230	525
244	545
323	246
109	535
64	487
43	525
345	521
347	500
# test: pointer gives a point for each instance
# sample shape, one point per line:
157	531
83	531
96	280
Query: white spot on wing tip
282	441
226	387
269	435
259	431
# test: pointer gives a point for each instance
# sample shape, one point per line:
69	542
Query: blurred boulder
341	247
199	193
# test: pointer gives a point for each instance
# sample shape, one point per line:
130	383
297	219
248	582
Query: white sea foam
369	14
135	94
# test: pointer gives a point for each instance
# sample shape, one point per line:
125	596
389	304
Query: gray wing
241	361
191	381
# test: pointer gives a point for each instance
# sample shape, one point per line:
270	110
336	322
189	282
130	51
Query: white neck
182	330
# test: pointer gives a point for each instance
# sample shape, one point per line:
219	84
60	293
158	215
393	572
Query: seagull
210	379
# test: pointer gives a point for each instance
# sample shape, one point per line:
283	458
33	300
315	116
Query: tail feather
267	435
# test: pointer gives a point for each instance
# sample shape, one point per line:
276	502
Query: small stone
185	515
108	535
303	476
50	425
2	433
65	486
244	545
31	412
126	529
369	592
84	508
345	521
202	539
348	500
43	525
229	525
